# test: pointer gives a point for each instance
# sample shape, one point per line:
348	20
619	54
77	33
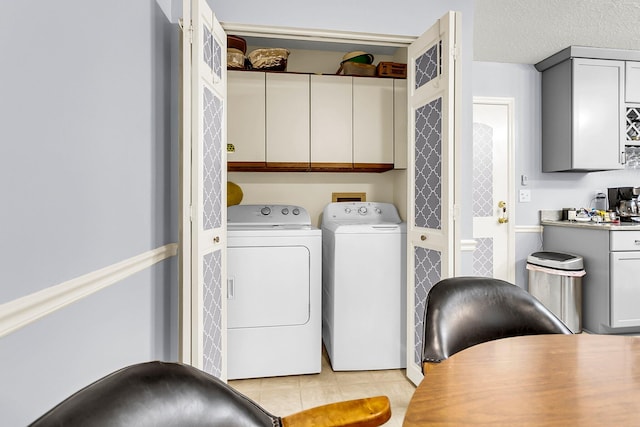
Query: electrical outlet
525	196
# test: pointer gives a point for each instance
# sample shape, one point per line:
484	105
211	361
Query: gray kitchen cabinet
583	115
632	86
610	288
625	287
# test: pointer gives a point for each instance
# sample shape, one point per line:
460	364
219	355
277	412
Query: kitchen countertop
624	226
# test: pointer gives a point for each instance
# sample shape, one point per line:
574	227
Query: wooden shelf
305	167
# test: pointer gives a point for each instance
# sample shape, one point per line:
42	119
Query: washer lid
557	260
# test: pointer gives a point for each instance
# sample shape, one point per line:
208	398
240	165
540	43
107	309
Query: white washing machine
364	286
274	292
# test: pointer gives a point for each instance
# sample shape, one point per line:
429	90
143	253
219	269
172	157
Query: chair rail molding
528	229
25	310
468	245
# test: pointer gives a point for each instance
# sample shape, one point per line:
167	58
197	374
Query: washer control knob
265	211
362	210
285	211
378	211
347	210
296	211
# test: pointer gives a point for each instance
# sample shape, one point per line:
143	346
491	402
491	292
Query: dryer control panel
362	212
255	215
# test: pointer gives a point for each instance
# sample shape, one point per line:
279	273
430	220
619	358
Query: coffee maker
624	201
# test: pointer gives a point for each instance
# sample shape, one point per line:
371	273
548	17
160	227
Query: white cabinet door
598	114
625	289
331	123
632	87
400	125
287	120
372	121
246	116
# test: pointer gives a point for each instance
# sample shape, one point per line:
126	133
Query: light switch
525	196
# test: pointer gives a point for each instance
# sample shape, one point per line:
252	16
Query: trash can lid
557	260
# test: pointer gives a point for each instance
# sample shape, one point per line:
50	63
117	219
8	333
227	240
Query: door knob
502	218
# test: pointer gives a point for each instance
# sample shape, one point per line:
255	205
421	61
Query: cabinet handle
231	288
216	239
423	237
637	242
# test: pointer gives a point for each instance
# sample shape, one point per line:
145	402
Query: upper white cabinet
295	121
331	121
632	89
287	120
372	121
246	117
583	115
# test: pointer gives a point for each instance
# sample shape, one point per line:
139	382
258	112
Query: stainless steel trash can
555	279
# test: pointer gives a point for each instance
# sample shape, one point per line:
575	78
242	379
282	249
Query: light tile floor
287	395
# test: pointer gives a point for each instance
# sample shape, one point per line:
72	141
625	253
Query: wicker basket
274	59
235	59
356	69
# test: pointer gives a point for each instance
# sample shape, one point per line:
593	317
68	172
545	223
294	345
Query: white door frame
508	176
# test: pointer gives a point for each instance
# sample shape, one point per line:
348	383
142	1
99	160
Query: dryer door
267	286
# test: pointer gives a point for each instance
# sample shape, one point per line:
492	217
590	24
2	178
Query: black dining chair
464	311
171	394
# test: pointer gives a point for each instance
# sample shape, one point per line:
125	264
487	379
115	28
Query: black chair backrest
464	311
158	394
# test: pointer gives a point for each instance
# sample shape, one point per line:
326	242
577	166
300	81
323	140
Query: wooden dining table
536	380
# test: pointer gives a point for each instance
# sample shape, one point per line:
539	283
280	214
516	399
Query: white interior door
493	188
203	230
433	112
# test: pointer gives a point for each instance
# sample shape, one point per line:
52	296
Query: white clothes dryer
274	292
364	286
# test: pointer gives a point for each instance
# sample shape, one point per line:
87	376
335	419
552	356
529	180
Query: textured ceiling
528	31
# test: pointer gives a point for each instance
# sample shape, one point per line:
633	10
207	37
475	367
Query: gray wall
88	178
88	170
549	191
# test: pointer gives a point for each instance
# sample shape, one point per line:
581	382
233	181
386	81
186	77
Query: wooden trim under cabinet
306	167
288	166
246	166
331	167
372	167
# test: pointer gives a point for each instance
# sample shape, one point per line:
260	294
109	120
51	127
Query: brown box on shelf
357	69
392	69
